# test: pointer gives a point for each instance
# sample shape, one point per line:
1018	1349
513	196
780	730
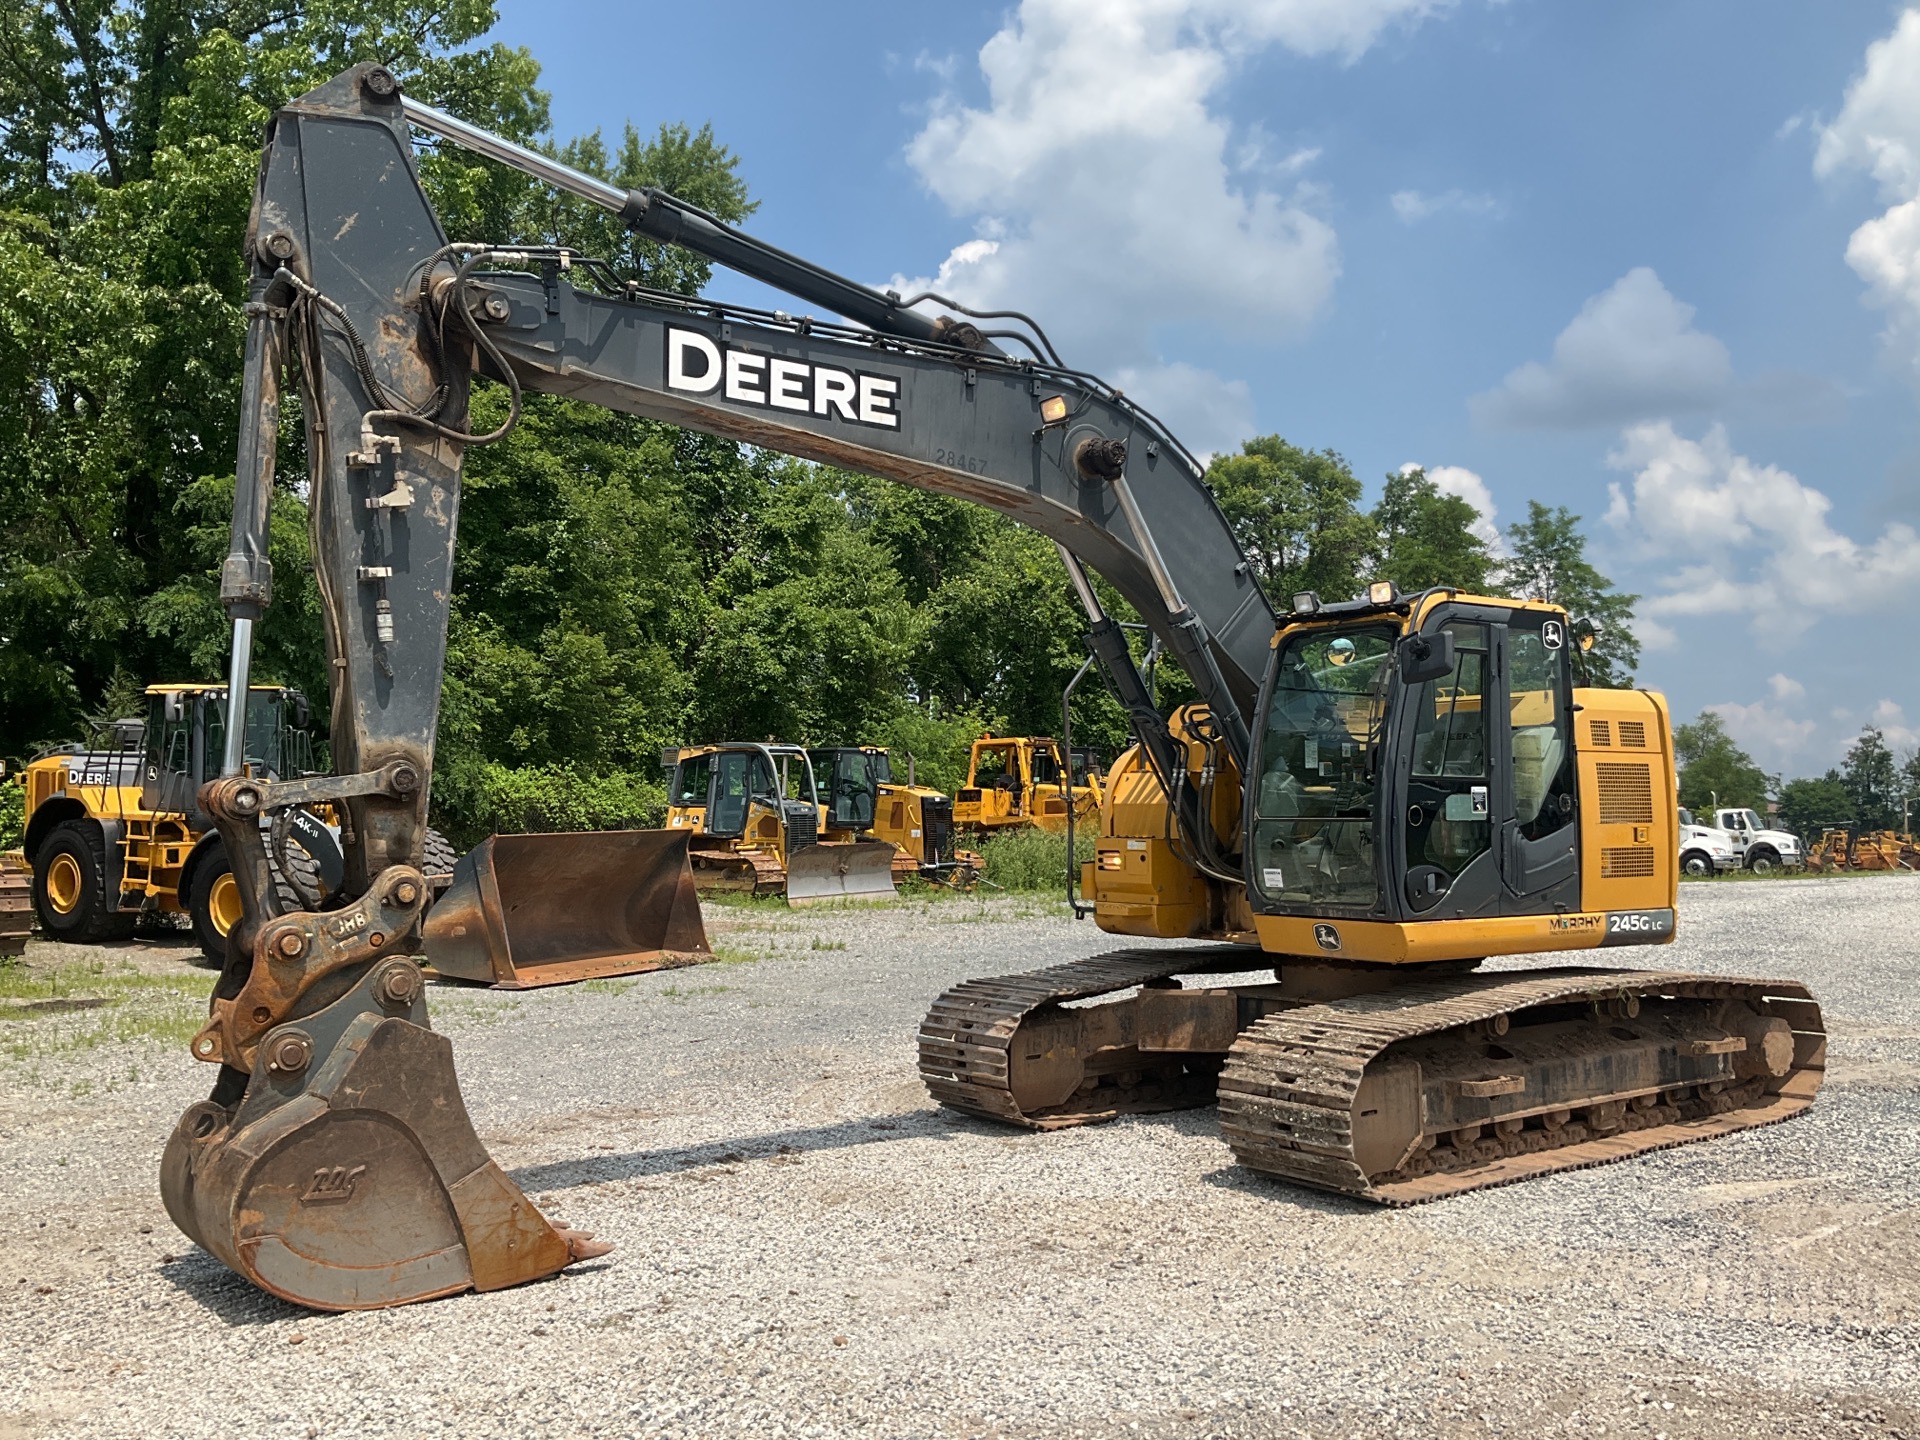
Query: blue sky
1657	262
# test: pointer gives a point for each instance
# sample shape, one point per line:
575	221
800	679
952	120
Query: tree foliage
1424	537
1872	780
1714	770
1548	561
1809	805
1296	515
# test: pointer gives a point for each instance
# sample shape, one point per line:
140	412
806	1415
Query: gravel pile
808	1248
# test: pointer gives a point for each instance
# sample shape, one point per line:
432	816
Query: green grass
139	1006
819	944
1033	859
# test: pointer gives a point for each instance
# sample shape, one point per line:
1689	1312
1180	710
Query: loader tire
70	887
213	902
438	857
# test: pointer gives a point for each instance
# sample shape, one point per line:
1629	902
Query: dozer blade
527	910
348	1176
860	870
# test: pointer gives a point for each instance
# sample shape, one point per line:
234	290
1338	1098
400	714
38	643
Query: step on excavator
760	825
1366	799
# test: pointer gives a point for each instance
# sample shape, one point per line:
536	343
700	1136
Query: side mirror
299	717
1587	633
1426	657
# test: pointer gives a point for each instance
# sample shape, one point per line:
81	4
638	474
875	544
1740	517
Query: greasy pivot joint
1100	459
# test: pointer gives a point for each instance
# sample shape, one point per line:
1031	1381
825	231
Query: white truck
1762	850
1705	850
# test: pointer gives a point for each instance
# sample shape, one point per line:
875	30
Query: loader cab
185	741
1415	760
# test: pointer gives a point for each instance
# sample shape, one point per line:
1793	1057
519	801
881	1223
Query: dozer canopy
528	910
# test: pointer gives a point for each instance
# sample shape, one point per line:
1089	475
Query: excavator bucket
528	910
860	870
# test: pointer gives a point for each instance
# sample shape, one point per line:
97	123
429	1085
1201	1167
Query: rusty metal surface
1294	1098
530	910
854	870
16	907
984	1042
348	1175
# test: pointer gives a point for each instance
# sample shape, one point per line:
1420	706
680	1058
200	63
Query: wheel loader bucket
862	870
527	910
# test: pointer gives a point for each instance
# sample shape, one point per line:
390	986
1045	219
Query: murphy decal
700	365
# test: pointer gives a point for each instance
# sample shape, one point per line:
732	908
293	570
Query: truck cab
1762	849
1705	849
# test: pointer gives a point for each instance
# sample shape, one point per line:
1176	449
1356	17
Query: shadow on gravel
1271	1190
811	1139
200	1277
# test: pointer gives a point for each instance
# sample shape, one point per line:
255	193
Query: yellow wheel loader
759	826
1018	781
1367	800
113	829
863	799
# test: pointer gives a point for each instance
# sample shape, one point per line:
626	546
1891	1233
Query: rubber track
1288	1087
965	1038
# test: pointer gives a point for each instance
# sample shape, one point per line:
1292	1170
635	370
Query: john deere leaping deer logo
332	1185
1326	937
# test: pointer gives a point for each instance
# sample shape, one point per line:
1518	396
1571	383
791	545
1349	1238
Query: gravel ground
807	1247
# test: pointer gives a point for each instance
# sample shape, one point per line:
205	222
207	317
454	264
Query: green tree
1872	781
1712	765
1548	561
1425	537
1809	805
1296	514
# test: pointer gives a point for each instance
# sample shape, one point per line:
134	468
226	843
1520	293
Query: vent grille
1634	732
936	823
1626	793
1602	731
1626	862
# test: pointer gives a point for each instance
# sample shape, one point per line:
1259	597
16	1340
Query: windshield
1325	722
851	781
263	733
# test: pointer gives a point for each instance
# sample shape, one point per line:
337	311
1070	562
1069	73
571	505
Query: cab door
1536	789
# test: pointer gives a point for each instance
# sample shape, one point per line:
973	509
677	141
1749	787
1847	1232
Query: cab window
1543	767
1448	816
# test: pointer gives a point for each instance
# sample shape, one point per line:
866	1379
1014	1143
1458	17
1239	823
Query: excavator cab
1418	788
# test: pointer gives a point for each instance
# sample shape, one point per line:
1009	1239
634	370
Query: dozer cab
1366	799
1017	781
114	829
864	799
760	827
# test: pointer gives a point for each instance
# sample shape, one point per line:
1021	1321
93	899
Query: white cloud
1119	200
1412	206
1785	687
1890	719
1631	353
1878	131
1743	538
1210	415
1767	732
1460	481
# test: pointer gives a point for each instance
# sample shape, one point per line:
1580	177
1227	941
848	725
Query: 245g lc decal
697	364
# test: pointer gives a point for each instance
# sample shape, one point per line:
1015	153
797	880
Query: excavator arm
318	1022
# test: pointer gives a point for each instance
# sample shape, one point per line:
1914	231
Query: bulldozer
864	799
1366	798
113	830
758	826
1844	847
1019	781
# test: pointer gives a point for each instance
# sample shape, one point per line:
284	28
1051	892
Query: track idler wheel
348	1176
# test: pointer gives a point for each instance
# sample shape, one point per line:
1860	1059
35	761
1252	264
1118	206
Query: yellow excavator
760	826
1366	800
